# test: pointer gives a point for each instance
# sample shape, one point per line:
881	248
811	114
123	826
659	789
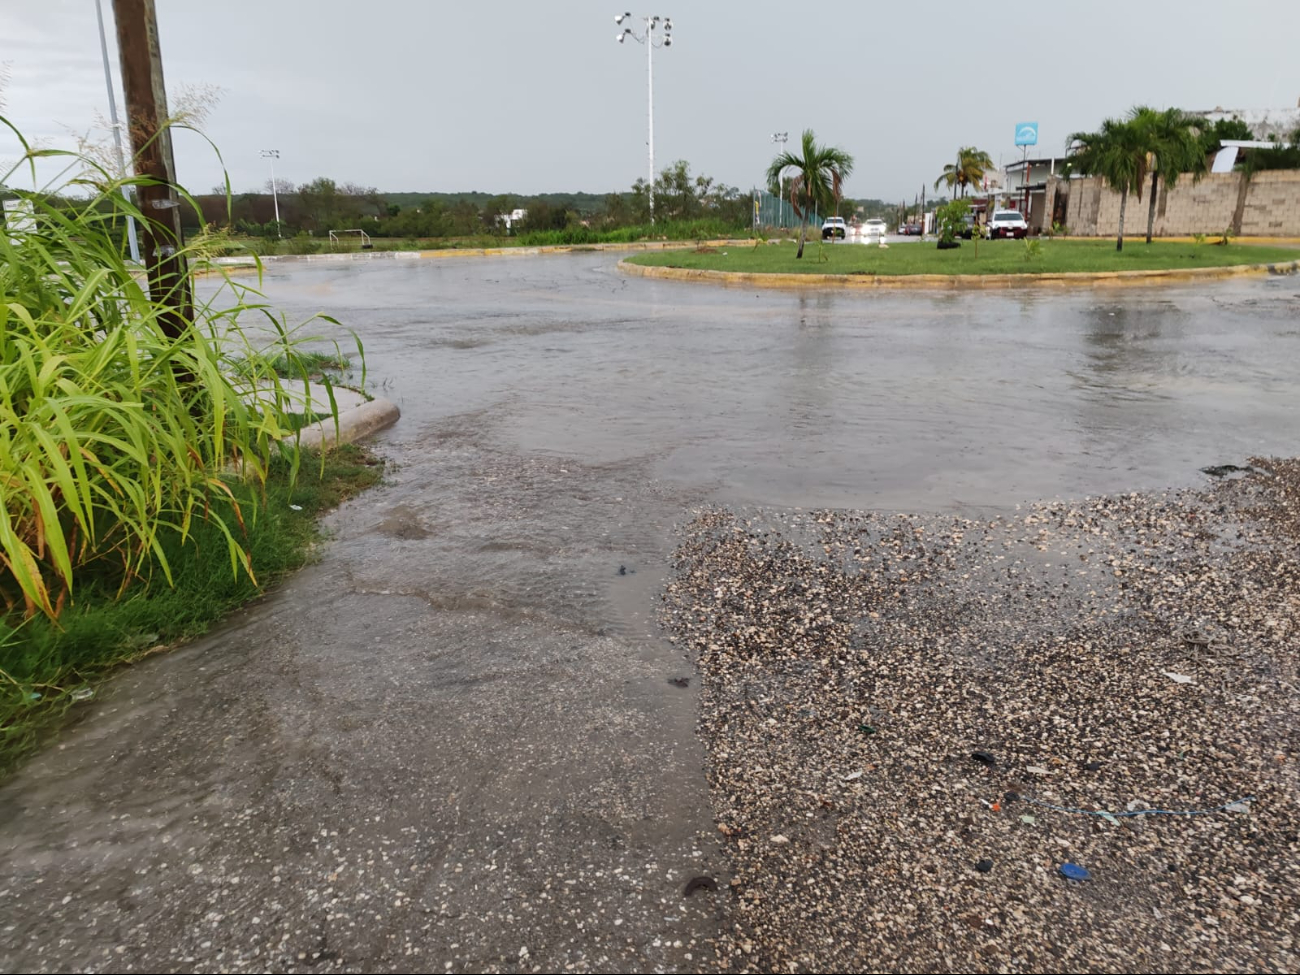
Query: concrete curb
954	281
248	263
358	422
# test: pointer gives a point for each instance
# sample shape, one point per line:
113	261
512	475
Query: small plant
1033	248
1059	229
1199	238
950	220
1225	236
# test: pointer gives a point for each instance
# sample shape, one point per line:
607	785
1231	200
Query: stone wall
1267	206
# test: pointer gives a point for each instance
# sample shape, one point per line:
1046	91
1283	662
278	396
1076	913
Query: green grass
315	364
48	666
994	257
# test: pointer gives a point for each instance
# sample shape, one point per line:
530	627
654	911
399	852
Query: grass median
988	257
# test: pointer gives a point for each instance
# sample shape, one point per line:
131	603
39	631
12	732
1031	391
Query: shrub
112	430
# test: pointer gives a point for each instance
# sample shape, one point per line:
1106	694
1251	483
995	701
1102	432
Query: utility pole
151	144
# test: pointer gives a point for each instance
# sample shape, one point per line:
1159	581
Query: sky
531	96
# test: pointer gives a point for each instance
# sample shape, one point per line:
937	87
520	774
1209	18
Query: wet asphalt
452	744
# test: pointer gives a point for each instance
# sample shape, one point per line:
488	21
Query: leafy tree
1173	147
1117	152
497	206
817	175
968	170
1277	157
1212	136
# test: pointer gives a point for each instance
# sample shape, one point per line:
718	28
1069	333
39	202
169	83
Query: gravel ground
893	704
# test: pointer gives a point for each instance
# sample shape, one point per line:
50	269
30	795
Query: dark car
968	231
910	230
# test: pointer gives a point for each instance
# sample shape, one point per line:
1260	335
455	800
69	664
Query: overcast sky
531	96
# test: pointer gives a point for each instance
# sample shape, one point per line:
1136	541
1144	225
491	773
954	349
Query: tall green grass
149	481
112	432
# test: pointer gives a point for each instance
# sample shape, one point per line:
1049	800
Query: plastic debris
1072	871
82	694
1037	770
1028	820
852	775
984	866
295	507
984	758
780	840
1177	678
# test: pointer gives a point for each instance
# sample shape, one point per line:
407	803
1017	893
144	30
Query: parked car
834	227
910	230
1007	223
874	227
968	231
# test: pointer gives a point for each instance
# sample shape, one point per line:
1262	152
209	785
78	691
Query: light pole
117	132
652	24
781	138
273	155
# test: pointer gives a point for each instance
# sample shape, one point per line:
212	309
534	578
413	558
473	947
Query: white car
834	227
874	228
1007	223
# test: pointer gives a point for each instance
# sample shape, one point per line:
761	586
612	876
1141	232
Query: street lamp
781	138
273	155
117	132
665	39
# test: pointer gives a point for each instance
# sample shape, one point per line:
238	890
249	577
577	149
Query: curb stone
353	424
955	281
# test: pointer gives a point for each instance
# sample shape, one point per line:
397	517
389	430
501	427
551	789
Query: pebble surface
892	705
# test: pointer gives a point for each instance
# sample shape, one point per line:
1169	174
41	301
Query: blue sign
1026	133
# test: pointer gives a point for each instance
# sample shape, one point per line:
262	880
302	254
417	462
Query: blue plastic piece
1072	871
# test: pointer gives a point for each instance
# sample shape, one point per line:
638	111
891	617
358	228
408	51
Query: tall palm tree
968	170
1173	148
816	176
1117	152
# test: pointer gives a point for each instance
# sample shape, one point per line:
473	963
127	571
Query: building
1031	186
1266	124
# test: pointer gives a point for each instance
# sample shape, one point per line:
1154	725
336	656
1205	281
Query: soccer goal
365	238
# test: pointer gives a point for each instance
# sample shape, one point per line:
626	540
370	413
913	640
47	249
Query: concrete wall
1269	206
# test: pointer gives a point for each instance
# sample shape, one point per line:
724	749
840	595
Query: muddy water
881	400
452	744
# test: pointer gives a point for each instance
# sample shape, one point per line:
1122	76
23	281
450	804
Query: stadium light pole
780	138
117	132
273	155
653	23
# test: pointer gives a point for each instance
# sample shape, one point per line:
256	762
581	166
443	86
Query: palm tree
1173	147
817	175
1117	152
970	167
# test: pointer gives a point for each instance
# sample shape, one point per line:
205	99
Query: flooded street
882	399
454	743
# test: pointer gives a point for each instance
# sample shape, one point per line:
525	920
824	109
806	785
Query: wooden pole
151	145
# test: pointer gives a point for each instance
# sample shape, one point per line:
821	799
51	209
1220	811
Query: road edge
955	281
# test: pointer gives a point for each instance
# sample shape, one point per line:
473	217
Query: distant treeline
321	205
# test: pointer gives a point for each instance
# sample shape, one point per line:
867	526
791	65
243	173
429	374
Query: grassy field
50	666
991	257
